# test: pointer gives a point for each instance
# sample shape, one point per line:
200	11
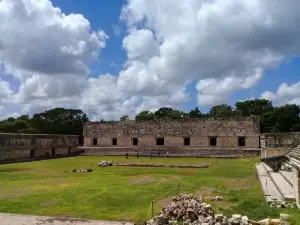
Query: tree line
70	121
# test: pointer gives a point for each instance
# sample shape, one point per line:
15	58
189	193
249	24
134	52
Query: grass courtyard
124	193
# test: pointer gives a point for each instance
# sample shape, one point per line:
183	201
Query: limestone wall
26	146
120	135
274	144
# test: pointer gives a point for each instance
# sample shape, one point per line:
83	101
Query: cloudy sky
111	58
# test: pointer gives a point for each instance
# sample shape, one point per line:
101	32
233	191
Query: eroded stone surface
17	219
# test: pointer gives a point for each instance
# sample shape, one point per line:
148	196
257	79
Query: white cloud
224	46
286	94
216	91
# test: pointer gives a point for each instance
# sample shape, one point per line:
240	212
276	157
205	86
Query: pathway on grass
18	219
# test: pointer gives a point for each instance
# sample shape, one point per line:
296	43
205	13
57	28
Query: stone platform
173	152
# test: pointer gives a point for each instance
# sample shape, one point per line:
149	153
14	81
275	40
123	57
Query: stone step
288	176
285	189
267	167
269	188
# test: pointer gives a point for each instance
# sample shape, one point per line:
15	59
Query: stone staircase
277	186
295	152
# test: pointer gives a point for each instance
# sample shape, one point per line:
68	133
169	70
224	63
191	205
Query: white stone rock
264	222
244	220
284	217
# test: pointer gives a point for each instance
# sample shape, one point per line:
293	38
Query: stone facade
30	146
276	144
216	136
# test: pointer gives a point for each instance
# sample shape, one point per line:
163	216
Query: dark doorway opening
114	141
53	152
69	151
242	141
32	153
160	141
187	141
213	141
80	140
135	141
95	141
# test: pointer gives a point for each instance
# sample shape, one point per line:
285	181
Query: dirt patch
48	203
187	173
206	192
12	169
165	201
141	180
63	219
239	183
148	179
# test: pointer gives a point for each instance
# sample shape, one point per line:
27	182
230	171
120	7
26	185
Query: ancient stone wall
26	146
187	135
275	144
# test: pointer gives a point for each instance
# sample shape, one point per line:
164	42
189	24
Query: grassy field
123	193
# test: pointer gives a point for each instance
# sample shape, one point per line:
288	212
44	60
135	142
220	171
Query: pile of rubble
82	170
216	198
105	164
191	210
160	165
282	204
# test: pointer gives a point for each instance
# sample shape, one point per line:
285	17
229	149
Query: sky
120	57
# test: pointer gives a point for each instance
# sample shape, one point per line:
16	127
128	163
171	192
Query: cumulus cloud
47	51
223	46
216	91
286	94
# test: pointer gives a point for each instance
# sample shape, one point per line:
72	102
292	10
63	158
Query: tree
24	118
60	121
195	113
7	127
144	115
255	107
174	115
162	113
221	111
281	119
123	118
20	125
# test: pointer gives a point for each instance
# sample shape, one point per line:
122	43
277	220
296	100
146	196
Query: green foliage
144	115
54	121
253	107
221	111
123	118
195	113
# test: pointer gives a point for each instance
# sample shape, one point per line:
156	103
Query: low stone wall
24	147
276	144
160	165
172	152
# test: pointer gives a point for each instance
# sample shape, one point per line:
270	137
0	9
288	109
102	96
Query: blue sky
225	57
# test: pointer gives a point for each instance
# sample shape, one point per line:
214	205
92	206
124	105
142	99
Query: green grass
125	193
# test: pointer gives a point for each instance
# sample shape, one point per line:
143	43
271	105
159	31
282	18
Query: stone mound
188	209
82	170
160	165
105	163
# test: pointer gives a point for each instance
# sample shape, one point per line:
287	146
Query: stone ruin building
238	136
22	147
